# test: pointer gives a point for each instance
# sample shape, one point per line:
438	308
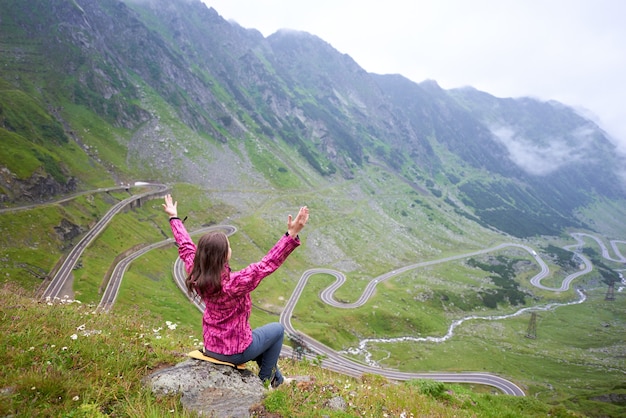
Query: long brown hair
205	277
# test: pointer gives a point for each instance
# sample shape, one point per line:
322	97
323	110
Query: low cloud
547	156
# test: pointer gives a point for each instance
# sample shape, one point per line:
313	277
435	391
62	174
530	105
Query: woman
226	294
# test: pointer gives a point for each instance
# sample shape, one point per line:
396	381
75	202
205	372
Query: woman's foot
277	381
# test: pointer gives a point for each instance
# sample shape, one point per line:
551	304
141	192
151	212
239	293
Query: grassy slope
65	360
344	222
37	142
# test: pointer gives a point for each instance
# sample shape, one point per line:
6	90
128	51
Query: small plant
432	388
317	361
86	410
276	401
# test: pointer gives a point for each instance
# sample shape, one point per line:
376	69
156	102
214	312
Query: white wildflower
75	398
31	349
73	336
63	348
80	327
158	337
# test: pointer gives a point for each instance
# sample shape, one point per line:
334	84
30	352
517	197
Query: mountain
94	92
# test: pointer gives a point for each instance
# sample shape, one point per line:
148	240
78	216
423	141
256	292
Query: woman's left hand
170	206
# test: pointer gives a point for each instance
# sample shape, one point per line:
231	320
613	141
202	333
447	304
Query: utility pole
532	326
610	293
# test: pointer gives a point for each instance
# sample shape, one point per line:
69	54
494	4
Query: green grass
575	356
65	360
45	371
38	143
17	154
30	243
373	396
104	142
263	158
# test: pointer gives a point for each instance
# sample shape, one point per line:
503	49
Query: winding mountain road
330	358
63	274
63	199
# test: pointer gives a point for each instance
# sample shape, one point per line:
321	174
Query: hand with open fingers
170	207
294	226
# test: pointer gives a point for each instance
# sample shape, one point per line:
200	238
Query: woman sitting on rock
226	294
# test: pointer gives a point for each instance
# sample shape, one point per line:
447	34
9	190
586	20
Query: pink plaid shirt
225	324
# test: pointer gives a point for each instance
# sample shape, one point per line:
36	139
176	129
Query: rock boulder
209	389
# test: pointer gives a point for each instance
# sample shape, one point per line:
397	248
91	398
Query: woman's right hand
294	226
170	206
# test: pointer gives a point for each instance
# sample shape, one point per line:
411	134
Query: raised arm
186	247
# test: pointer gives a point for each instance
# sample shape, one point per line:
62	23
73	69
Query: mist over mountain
102	91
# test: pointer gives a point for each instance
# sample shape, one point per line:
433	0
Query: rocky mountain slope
98	91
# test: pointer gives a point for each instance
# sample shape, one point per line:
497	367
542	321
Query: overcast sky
572	51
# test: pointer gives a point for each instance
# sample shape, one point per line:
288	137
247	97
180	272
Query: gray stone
337	403
209	389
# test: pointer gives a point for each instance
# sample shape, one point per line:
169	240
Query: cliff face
95	90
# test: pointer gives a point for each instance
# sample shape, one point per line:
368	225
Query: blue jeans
267	341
